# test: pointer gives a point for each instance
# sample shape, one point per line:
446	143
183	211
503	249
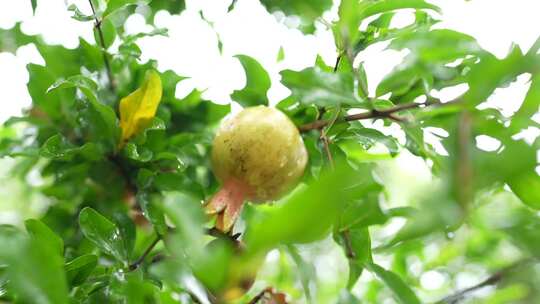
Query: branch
140	260
491	280
386	113
104	52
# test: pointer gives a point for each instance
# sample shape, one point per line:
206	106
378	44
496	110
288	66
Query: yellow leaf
139	108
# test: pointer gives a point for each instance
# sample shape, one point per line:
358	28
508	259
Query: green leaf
346	29
12	39
80	268
377	7
305	216
313	86
400	80
114	5
308	11
36	229
352	13
103	233
257	84
133	152
523	117
78	15
491	73
152	212
524	231
34	268
440	45
346	297
281	54
368	137
58	148
401	290
132	287
356	244
172	6
306	271
34	5
127	230
187	216
437	213
86	84
364	212
526	188
99	117
108	30
516	166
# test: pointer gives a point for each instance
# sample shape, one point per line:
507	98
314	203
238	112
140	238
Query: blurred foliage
125	167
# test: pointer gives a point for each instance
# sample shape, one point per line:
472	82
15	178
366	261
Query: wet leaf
103	233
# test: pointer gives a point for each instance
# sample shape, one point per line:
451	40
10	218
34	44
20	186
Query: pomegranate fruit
257	155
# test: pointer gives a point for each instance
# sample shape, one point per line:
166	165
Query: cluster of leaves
126	165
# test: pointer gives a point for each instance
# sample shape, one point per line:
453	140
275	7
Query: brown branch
140	260
491	280
97	25
385	113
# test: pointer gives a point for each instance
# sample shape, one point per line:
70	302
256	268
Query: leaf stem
97	25
140	260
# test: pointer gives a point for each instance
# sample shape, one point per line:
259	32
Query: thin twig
140	260
326	141
338	59
326	144
103	50
260	295
491	280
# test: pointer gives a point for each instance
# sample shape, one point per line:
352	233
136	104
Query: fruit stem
227	204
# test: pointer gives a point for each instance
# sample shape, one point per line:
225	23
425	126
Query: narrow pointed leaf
403	293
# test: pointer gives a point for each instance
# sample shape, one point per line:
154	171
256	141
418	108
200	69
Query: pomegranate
258	155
